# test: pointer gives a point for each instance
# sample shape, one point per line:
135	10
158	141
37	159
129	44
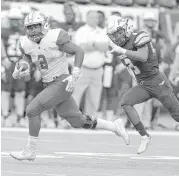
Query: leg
19	102
163	91
169	101
5	109
134	96
51	96
69	111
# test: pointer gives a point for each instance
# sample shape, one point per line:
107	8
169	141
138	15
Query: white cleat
145	141
26	154
121	131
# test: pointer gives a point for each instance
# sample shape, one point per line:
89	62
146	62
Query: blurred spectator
102	19
94	42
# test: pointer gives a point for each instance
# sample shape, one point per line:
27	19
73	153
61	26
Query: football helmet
34	18
119	30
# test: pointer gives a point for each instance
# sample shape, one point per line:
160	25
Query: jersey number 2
43	61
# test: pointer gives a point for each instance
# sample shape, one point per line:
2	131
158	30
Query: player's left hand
116	50
72	79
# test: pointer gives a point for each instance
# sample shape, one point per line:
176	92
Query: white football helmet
119	30
34	18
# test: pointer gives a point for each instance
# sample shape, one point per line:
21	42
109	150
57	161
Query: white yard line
90	132
131	156
30	173
7	154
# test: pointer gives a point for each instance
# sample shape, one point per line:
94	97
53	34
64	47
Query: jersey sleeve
141	39
63	38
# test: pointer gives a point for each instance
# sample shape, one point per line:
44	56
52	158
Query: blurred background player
5	65
15	89
49	48
137	54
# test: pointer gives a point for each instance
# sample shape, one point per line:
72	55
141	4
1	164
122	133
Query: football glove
72	79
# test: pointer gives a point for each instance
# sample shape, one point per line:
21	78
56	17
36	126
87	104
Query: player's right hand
72	79
19	73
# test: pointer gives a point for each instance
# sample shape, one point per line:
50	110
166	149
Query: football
23	64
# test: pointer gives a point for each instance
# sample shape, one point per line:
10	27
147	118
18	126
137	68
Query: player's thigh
169	100
48	98
68	110
134	96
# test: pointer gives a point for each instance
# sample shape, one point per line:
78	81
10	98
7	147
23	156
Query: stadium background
165	11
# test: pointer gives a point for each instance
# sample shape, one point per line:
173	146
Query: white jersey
46	55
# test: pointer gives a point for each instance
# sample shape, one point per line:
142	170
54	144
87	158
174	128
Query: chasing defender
137	53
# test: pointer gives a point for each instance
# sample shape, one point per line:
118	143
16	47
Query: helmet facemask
119	31
36	26
34	32
119	37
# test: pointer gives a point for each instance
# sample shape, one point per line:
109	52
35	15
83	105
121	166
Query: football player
46	48
13	89
138	55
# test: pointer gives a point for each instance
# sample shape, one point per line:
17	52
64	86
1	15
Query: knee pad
90	122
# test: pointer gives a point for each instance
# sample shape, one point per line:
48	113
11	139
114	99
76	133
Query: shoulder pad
141	39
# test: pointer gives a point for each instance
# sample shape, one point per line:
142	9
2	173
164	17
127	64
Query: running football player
46	48
137	53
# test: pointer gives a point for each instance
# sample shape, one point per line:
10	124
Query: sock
32	141
140	128
105	125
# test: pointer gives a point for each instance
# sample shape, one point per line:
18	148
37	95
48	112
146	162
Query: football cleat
26	154
121	131
145	141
